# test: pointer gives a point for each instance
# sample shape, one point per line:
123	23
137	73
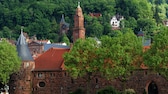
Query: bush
108	90
129	91
78	91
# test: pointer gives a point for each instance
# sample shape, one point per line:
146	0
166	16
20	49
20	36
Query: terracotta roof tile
52	59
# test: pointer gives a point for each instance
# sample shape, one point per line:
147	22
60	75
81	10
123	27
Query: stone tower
22	80
78	30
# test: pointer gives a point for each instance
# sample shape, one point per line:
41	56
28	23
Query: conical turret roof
22	48
62	19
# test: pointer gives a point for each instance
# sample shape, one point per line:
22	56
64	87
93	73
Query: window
96	80
40	75
26	64
42	84
65	74
52	74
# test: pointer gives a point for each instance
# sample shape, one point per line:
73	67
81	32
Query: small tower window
96	80
65	74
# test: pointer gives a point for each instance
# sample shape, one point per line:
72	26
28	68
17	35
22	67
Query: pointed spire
21	39
62	19
78	4
22	48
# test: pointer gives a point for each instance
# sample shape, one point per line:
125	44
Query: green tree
112	57
134	8
147	25
94	28
83	59
9	61
109	90
6	32
65	39
156	57
131	22
121	53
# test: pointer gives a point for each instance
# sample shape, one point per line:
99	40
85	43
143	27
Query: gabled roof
34	43
22	49
50	60
95	14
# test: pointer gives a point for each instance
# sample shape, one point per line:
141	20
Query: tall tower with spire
22	80
78	30
64	26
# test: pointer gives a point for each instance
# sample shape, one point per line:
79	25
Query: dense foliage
9	61
108	90
111	56
42	17
120	53
156	57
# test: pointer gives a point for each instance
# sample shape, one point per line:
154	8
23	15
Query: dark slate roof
22	48
63	21
48	46
140	33
147	42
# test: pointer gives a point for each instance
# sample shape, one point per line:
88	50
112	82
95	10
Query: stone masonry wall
59	82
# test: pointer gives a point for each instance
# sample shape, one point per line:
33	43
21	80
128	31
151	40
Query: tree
121	53
83	59
147	25
130	23
112	57
94	28
6	32
156	57
109	90
9	61
65	39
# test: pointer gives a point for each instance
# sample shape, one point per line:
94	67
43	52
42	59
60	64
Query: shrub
129	91
108	90
78	91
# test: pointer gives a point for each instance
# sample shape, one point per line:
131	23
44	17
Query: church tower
64	26
78	30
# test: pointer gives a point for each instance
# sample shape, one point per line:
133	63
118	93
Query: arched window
97	80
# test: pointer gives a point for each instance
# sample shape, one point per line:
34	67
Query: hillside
42	17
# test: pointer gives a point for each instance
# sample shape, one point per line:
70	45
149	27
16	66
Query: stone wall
59	82
20	82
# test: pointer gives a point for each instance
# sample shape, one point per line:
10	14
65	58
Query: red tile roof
95	14
51	60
